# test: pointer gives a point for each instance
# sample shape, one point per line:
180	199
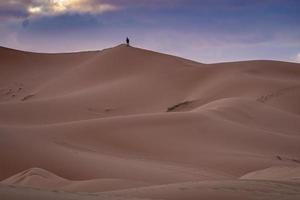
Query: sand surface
127	123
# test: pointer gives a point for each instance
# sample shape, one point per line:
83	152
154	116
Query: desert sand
128	123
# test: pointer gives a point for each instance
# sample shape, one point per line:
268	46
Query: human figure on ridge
127	41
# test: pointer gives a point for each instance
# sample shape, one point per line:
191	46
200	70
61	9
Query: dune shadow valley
134	124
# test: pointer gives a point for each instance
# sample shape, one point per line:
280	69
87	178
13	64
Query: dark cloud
25	23
62	23
20	8
13	10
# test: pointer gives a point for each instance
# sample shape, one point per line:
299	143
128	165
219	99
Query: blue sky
204	30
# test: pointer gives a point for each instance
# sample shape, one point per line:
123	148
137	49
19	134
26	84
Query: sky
207	31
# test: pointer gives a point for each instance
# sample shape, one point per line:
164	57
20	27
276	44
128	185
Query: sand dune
275	173
130	123
217	190
40	178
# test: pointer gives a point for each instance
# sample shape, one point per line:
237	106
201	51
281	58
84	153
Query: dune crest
40	178
36	177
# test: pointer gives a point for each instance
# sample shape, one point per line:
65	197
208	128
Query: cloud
297	58
53	7
26	8
13	10
21	9
16	9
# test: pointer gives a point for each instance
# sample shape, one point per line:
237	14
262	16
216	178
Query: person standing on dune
127	41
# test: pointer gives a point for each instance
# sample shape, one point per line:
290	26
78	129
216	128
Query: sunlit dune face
61	6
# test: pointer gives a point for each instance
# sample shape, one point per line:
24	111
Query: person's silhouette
127	41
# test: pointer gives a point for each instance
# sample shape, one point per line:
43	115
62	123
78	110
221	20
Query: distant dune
128	123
